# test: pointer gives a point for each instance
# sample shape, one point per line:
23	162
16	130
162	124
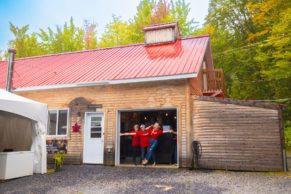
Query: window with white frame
58	122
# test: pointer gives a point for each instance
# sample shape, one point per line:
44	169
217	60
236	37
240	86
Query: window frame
57	122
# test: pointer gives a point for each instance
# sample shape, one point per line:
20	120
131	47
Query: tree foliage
273	23
250	40
25	44
228	23
90	35
70	37
64	38
252	44
119	32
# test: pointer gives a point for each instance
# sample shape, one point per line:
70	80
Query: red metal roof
116	63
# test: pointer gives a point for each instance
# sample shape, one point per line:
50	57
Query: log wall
237	136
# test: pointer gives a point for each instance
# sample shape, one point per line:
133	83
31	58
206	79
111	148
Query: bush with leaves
59	158
287	134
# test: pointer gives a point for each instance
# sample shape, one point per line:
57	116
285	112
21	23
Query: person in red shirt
135	142
144	141
154	133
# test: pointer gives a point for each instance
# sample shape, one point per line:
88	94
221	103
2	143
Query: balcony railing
215	80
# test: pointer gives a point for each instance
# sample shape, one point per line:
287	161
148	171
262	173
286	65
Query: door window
96	128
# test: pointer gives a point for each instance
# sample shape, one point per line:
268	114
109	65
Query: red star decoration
76	127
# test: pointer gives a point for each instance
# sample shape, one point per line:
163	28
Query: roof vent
161	33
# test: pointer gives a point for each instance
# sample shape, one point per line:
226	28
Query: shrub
59	158
287	134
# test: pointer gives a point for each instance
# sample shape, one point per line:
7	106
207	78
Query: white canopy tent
23	127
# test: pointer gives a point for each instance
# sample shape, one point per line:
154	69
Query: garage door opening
166	150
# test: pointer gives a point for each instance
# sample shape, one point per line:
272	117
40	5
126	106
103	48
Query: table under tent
22	136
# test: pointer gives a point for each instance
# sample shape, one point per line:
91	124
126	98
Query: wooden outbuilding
94	95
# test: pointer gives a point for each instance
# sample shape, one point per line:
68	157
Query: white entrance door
93	138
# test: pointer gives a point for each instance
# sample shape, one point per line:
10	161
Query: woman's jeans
152	150
143	152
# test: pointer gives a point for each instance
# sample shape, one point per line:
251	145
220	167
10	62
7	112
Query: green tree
148	12
69	37
229	22
251	41
180	12
175	11
141	19
25	44
273	51
66	38
117	32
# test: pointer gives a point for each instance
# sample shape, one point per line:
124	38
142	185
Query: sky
49	13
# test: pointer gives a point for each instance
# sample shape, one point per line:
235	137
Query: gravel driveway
102	179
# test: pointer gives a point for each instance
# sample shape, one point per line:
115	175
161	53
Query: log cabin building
95	95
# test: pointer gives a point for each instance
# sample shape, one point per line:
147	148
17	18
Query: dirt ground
101	179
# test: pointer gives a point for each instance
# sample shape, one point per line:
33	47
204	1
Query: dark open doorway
166	151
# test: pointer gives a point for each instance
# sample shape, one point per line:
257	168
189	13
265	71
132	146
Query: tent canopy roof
13	103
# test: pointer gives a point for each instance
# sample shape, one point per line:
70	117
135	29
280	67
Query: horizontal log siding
163	94
237	137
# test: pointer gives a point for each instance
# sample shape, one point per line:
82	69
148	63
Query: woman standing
154	133
144	141
134	143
